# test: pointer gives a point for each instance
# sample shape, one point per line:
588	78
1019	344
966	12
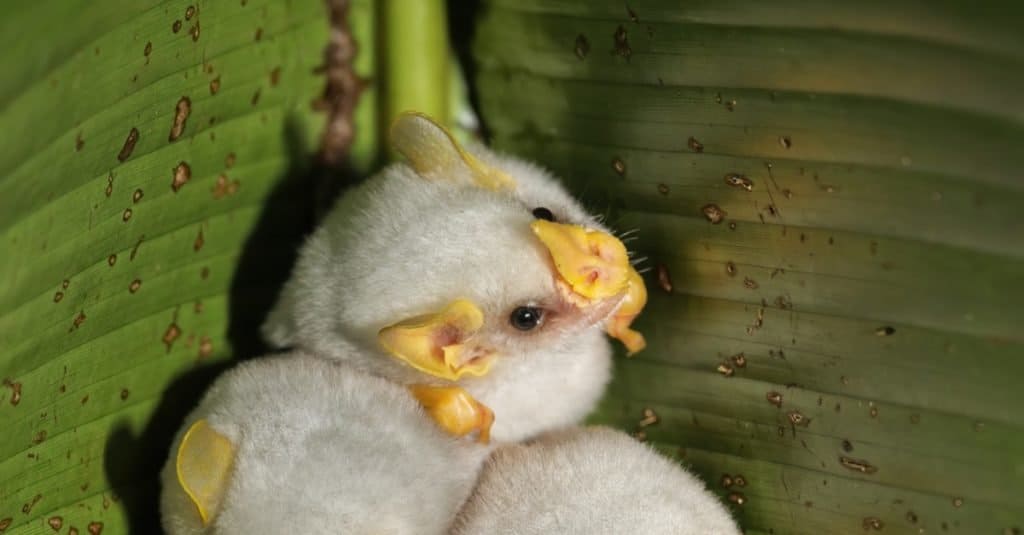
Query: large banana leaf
830	195
152	157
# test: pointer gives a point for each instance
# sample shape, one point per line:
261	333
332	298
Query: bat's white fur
592	481
323	449
401	245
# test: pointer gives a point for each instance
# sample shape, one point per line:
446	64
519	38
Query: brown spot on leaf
785	141
229	160
182	174
110	184
774	398
857	465
129	145
663	189
79	142
27	508
713	213
619	166
78	321
739	360
137	195
224	187
170	335
737	180
181	112
204	273
205	347
275	76
797	418
874	523
135	285
215	85
726	480
198	243
847	446
695	146
958	502
15	391
258	35
582	47
40	437
739	480
621	38
125	393
730	269
194	32
725	370
126	215
190	12
664	279
148	50
58	296
750	283
95	528
885	331
255	98
72	530
55	522
5	523
650	418
737	498
176	27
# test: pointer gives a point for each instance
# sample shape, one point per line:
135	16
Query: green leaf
123	289
845	340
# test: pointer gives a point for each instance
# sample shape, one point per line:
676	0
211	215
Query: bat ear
435	154
203	467
440	344
279	329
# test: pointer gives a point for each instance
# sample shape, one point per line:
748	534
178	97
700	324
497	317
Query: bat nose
593	263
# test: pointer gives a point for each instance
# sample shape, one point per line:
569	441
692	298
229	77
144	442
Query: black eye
526	318
543	213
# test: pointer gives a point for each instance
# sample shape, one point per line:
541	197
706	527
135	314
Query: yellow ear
433	152
204	464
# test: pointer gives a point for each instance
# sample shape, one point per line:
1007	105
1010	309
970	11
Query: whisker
644	270
628	232
636	261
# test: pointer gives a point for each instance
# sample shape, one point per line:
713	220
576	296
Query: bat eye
543	213
526	318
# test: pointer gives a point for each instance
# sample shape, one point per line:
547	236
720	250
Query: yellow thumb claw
434	153
455	410
439	344
632	304
203	467
594	264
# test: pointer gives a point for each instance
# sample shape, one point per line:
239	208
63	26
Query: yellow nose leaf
593	263
632	304
455	410
434	153
203	465
440	343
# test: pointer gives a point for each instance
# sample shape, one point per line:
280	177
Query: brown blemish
224	187
79	142
873	412
619	166
857	465
190	11
135	285
750	283
582	47
713	213
55	522
110	184
915	418
783	302
785	141
737	498
215	85
958	502
40	437
170	335
5	523
874	523
730	269
198	307
255	97
111	260
137	195
229	160
847	446
725	370
135	249
663	189
739	480
194	32
176	27
258	35
125	393
129	146
739	360
695	146
275	76
731	105
650	417
198	243
737	180
27	508
622	48
885	331
181	112
182	174
912	517
640	436
148	50
78	321
72	530
95	528
726	480
15	391
85	399
774	398
632	15
58	296
205	347
204	273
126	215
664	279
797	418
